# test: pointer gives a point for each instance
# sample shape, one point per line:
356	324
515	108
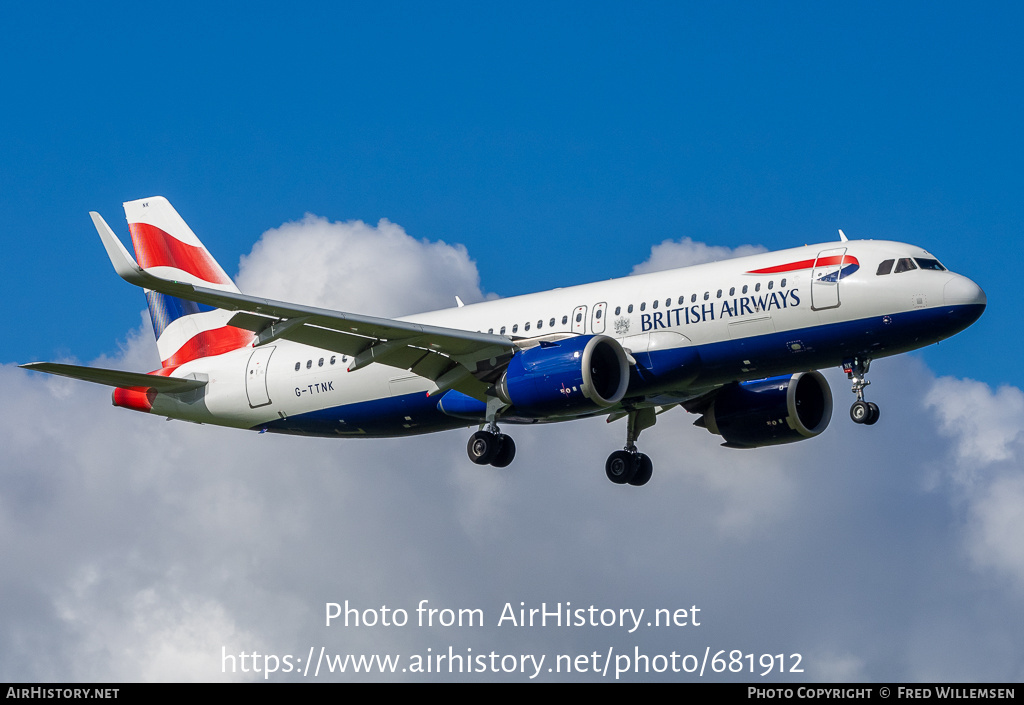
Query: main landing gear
864	412
629	466
490	446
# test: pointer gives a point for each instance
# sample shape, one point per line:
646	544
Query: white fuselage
688	330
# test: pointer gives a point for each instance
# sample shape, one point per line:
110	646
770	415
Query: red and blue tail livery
736	343
165	246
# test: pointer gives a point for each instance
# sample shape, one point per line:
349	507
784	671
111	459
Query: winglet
124	264
842	236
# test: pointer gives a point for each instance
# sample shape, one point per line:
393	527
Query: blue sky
558	145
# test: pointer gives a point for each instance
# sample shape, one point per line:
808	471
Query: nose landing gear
862	412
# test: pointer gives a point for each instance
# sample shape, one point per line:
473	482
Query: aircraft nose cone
961	291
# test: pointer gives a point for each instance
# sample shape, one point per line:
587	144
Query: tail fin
166	247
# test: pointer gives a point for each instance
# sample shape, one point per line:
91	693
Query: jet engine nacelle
572	376
770	411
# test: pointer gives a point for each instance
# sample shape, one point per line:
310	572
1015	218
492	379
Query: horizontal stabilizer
117	378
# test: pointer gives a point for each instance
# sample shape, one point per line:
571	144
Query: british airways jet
736	342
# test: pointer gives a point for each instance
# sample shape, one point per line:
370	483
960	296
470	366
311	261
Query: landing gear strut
629	466
491	446
863	412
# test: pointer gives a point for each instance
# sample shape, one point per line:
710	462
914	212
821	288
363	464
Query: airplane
736	342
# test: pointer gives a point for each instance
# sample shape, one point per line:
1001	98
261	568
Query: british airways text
698	313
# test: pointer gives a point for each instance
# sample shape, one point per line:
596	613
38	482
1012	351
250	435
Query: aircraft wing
453	359
117	378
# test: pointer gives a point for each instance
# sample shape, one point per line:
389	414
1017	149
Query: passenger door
256	376
825	279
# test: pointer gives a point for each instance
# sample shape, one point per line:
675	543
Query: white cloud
351	266
987	426
155	635
986	468
997	525
685	252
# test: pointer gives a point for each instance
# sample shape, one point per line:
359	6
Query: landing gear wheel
621	467
483	447
644	470
873	414
506	452
860	412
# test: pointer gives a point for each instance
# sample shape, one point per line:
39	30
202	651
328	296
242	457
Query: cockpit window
885	267
925	263
905	265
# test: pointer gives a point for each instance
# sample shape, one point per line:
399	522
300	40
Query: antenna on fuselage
842	236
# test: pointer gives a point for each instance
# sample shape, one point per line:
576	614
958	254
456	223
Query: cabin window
693	299
668	302
630	309
579	317
757	287
707	295
598	315
297	366
540	324
515	327
782	284
309	364
321	363
502	330
565	319
552	323
929	264
334	358
655	304
526	327
719	294
618	309
905	265
643	305
744	288
681	299
770	285
732	291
